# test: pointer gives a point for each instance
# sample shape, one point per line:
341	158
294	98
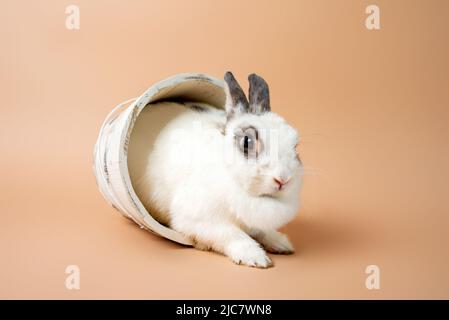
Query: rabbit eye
247	145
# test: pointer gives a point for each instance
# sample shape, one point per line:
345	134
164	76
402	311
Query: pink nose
280	182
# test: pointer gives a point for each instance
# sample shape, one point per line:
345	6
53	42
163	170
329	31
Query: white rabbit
228	179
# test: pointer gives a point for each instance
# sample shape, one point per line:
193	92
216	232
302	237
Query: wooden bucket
110	160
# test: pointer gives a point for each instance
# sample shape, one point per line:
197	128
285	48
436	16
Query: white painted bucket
110	162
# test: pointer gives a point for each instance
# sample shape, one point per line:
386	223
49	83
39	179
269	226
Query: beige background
372	107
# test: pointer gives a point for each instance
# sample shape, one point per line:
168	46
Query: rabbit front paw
249	254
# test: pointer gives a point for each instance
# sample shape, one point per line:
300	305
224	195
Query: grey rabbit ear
259	94
236	101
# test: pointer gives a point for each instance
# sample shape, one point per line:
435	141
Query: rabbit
227	179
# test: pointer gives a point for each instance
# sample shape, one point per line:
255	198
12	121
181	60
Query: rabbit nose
281	182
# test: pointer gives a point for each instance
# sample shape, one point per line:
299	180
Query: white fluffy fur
197	182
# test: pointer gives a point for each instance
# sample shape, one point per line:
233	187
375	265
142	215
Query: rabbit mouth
274	194
267	195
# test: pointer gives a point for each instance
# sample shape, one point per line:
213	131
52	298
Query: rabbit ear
259	95
236	101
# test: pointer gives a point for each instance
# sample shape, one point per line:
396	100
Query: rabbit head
263	146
